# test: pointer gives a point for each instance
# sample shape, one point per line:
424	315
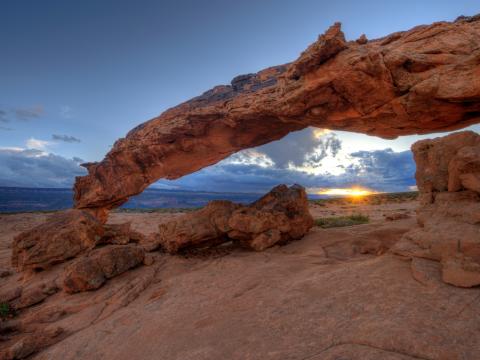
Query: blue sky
75	76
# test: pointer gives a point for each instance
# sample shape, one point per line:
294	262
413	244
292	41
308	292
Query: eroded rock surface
449	215
417	81
279	216
91	272
75	253
62	237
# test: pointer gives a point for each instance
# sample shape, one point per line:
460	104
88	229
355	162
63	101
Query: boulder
461	271
279	216
209	224
92	271
67	235
63	236
120	234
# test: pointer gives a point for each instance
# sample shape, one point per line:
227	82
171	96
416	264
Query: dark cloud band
66	138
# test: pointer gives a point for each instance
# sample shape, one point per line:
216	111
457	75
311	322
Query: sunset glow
318	133
354	191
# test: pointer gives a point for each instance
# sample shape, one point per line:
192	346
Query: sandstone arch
419	81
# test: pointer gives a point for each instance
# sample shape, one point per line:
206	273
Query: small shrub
5	310
340	221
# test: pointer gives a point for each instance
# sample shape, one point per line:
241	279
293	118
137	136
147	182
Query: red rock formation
449	216
279	216
62	237
65	236
201	227
91	272
419	81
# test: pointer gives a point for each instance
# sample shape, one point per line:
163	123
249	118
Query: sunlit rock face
448	178
65	236
413	82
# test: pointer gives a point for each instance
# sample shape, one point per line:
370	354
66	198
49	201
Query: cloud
66	138
4	128
26	114
23	114
38	144
35	168
381	170
301	148
66	112
312	157
328	145
384	168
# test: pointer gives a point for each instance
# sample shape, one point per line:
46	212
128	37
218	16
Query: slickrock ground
327	296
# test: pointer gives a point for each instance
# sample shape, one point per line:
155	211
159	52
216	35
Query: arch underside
415	82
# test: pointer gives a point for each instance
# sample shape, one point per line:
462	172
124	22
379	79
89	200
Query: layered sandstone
448	178
413	82
279	216
65	236
91	272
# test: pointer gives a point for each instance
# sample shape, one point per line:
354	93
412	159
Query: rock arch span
419	81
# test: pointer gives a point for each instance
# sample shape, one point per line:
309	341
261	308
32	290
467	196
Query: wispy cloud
38	144
4	128
66	138
21	113
66	112
26	114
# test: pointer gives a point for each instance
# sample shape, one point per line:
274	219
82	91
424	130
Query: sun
353	191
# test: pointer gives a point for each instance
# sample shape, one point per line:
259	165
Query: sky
77	75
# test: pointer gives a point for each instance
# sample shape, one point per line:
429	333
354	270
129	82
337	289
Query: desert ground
335	294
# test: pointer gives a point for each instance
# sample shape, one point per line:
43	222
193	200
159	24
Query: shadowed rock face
419	81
